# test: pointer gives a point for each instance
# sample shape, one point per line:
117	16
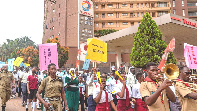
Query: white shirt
136	91
111	85
83	88
16	77
113	67
131	80
118	88
173	89
24	77
103	95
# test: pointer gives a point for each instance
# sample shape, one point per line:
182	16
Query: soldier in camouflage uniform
5	88
54	90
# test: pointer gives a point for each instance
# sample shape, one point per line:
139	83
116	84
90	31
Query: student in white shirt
91	85
102	97
123	94
140	105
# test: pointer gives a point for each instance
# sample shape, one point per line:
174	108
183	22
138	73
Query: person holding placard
102	97
124	94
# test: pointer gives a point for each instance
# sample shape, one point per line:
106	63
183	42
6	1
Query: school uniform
91	86
123	104
111	88
104	103
188	104
147	88
140	105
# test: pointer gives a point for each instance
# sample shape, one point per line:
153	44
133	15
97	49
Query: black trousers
82	102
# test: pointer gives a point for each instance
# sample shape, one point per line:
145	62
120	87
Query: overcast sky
21	18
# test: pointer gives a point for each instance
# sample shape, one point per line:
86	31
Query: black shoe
26	109
3	108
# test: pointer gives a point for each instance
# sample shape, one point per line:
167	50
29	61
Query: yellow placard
116	72
98	74
27	65
18	61
97	50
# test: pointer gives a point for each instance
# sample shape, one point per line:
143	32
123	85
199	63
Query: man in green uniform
5	88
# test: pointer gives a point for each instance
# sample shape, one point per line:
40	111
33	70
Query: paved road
16	105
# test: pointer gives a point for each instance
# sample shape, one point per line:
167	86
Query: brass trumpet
172	72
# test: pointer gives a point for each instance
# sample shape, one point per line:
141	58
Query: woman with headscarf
72	92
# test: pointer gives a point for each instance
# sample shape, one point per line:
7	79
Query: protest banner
48	54
97	50
18	61
190	54
10	64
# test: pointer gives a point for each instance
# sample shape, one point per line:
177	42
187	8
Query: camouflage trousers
56	105
4	95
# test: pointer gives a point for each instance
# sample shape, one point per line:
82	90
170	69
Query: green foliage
99	33
13	46
148	44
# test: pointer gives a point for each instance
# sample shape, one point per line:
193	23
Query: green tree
62	51
14	45
148	44
99	33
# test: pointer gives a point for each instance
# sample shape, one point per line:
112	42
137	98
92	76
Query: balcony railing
192	14
191	4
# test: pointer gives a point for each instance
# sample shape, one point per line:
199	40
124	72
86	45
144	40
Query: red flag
171	45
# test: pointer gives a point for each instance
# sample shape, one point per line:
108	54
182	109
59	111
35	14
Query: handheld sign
118	75
98	74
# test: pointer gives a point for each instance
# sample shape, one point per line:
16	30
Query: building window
131	5
103	15
103	6
110	23
53	10
109	5
59	14
137	5
110	14
52	36
153	14
53	28
141	5
97	15
173	3
131	15
59	23
174	11
96	6
183	12
124	5
138	22
142	14
50	28
97	24
103	25
162	4
125	23
124	14
160	13
52	19
182	2
138	14
132	23
145	4
59	6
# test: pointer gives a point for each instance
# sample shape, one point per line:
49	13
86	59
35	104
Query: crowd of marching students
109	92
